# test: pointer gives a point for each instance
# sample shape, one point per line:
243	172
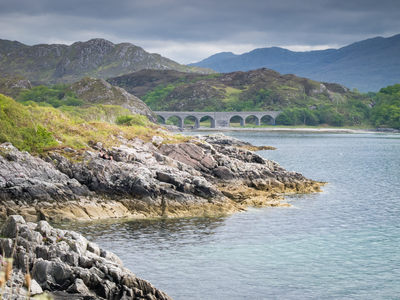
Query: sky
190	30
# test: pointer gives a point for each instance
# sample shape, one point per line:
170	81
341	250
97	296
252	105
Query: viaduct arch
218	119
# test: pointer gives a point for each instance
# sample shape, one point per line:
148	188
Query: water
339	244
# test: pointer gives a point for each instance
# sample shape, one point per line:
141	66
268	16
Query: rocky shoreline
200	176
41	260
209	175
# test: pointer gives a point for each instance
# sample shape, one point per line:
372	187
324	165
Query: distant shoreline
299	129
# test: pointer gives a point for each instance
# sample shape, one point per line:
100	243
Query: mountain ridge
100	58
366	65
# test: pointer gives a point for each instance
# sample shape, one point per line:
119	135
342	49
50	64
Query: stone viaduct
218	119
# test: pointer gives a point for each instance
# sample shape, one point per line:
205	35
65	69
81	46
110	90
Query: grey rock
44	228
224	173
157	140
111	257
30	235
143	177
10	228
40	272
30	178
35	288
78	287
92	247
86	262
7	246
63	267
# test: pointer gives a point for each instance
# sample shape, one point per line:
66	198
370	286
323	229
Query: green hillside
303	101
386	112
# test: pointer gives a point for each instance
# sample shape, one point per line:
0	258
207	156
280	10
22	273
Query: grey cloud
268	22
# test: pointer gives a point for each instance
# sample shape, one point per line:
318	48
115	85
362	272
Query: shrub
132	120
55	96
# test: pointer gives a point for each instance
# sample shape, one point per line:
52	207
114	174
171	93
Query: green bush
132	120
55	96
298	116
154	98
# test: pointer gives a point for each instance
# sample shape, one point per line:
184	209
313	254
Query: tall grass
37	128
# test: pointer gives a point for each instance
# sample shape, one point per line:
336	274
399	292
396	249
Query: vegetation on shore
54	116
37	128
386	112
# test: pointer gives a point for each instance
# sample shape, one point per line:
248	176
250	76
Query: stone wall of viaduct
218	119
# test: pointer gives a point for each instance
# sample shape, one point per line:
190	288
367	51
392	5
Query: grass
37	129
18	126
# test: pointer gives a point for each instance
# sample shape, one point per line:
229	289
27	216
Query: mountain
98	58
367	65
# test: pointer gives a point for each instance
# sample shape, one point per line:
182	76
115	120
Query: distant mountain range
98	58
367	65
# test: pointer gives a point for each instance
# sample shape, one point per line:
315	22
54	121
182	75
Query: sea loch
338	244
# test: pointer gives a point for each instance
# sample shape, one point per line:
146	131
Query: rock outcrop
99	91
12	85
209	175
65	265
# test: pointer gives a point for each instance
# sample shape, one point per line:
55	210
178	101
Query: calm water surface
343	243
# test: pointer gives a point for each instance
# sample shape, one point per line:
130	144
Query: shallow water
339	244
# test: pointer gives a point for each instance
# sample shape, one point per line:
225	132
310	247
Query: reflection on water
339	244
163	233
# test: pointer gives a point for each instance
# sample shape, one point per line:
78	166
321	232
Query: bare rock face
27	178
67	265
209	175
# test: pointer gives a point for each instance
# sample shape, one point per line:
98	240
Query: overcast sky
190	30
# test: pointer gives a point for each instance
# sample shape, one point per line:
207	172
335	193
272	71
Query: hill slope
98	91
261	89
367	65
97	58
